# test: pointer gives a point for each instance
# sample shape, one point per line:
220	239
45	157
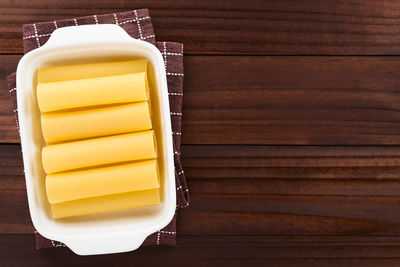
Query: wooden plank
217	250
276	100
235	27
246	214
8	128
339	191
291	100
251	214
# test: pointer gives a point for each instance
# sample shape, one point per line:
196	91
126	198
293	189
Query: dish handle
96	33
105	244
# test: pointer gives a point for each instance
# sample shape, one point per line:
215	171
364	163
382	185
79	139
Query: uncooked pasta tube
68	186
98	91
99	151
107	203
85	71
66	126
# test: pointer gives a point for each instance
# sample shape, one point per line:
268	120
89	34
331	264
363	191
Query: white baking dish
108	232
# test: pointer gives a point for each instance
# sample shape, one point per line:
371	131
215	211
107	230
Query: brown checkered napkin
136	23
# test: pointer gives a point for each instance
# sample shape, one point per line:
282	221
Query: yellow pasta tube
68	186
66	126
85	71
107	203
92	92
99	151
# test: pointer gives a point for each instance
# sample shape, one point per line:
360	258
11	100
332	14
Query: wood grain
216	250
306	27
276	100
291	160
338	191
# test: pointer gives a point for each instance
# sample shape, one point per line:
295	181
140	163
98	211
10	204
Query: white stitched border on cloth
133	20
138	24
116	19
180	188
183	206
167	232
148	37
58	244
177	94
165	55
174	74
36	34
158	237
174	54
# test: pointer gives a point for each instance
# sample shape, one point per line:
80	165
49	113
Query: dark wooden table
291	133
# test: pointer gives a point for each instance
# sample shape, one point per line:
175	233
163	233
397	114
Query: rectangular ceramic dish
108	232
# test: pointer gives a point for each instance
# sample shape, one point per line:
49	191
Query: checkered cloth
136	23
